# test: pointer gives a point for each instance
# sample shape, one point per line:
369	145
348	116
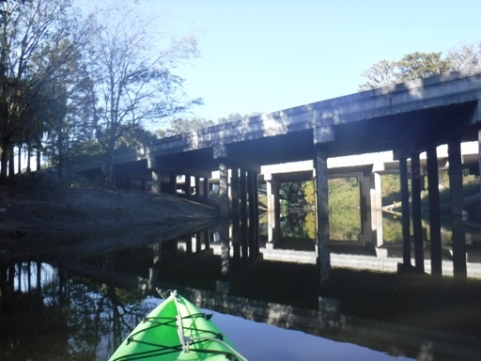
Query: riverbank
43	216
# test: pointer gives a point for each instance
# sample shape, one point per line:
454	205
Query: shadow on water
81	309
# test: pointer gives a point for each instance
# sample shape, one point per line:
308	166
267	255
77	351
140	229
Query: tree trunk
39	154
4	165
29	156
11	164
109	170
19	159
60	148
6	149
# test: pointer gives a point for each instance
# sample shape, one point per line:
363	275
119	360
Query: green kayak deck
176	330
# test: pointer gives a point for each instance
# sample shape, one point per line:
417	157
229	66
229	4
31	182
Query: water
81	310
78	318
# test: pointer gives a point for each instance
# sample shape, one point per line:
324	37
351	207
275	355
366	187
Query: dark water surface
271	310
78	318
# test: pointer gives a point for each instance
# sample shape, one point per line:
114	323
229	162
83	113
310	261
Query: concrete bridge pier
457	207
365	207
416	212
322	205
243	213
406	214
171	186
253	194
376	209
434	211
235	212
273	210
187	185
238	196
224	189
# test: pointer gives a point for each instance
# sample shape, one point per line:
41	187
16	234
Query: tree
132	79
412	66
66	107
465	56
184	125
36	38
232	117
309	193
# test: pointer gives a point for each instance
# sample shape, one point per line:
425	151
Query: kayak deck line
176	330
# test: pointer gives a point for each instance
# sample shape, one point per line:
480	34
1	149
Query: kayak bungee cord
187	341
177	327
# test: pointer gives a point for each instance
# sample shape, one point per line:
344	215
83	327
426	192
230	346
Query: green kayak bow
176	330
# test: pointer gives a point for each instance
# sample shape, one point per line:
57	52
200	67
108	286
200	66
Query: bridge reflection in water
220	271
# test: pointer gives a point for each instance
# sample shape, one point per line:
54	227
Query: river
270	309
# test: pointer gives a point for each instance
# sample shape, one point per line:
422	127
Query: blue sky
271	55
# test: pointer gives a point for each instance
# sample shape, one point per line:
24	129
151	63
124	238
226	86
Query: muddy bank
42	216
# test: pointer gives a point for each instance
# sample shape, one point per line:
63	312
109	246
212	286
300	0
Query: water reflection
95	316
82	309
349	235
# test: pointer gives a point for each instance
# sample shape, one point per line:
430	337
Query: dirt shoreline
41	216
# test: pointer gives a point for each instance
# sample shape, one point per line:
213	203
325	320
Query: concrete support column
156	181
457	207
197	186
365	204
235	202
173	183
188	243
322	204
273	210
434	211
157	253
376	208
253	212
243	212
406	214
223	189
225	248
416	212
188	185
206	187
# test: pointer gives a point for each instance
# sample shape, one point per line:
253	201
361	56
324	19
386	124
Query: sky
266	55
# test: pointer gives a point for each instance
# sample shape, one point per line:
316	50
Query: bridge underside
407	119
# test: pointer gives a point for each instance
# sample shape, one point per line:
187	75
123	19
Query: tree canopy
68	78
419	65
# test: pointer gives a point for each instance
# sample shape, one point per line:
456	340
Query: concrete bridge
407	119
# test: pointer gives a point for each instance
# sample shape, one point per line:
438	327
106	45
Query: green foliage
418	65
309	226
344	224
233	117
309	193
344	193
391	188
291	192
411	66
184	125
392	228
